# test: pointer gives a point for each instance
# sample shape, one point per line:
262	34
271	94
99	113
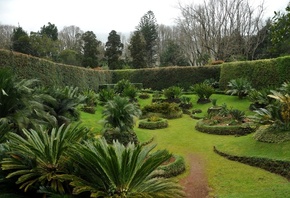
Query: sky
99	16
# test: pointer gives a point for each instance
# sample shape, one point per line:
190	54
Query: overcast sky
99	16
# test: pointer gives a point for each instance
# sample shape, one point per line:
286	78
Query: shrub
144	96
174	168
106	94
259	99
240	87
172	92
168	110
153	122
203	91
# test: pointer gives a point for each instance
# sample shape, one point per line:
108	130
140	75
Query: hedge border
274	166
225	130
160	124
173	169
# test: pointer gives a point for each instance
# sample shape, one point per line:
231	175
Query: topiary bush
166	110
153	122
172	168
265	133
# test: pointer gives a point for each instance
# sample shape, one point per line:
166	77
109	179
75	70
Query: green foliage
119	171
261	73
53	74
20	41
90	49
259	99
120	114
64	103
20	106
157	78
172	92
153	122
266	133
172	55
237	114
168	110
39	158
137	49
174	168
275	166
148	27
113	51
106	94
280	32
239	87
203	91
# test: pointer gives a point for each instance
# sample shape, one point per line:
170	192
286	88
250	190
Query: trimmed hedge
225	130
266	134
174	168
261	73
274	166
50	73
160	124
164	77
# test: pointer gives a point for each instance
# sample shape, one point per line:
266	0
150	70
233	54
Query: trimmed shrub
158	78
174	168
238	130
167	110
53	74
153	124
265	133
274	166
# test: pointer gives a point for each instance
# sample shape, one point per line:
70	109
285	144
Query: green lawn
226	178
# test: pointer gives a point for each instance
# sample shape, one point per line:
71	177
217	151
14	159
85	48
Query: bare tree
5	36
69	37
220	29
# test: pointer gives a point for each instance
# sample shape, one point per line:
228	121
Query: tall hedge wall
261	73
161	78
50	73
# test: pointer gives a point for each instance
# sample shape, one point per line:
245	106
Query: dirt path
195	183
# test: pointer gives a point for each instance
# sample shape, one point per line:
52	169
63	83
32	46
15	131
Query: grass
226	178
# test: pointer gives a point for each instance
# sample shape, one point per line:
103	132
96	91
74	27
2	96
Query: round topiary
242	129
150	123
266	133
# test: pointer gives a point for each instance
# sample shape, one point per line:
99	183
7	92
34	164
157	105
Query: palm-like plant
65	103
119	171
20	106
120	114
39	158
240	87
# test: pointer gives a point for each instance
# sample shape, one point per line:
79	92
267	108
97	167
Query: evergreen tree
50	31
90	49
137	50
20	41
172	55
113	51
149	29
280	32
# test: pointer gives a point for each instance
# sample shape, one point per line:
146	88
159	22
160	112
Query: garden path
195	184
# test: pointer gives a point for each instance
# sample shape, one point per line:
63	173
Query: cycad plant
39	158
118	171
64	107
20	105
119	116
239	87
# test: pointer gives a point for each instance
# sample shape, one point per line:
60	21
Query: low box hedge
274	166
238	130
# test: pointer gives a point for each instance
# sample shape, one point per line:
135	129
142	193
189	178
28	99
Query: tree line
224	30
